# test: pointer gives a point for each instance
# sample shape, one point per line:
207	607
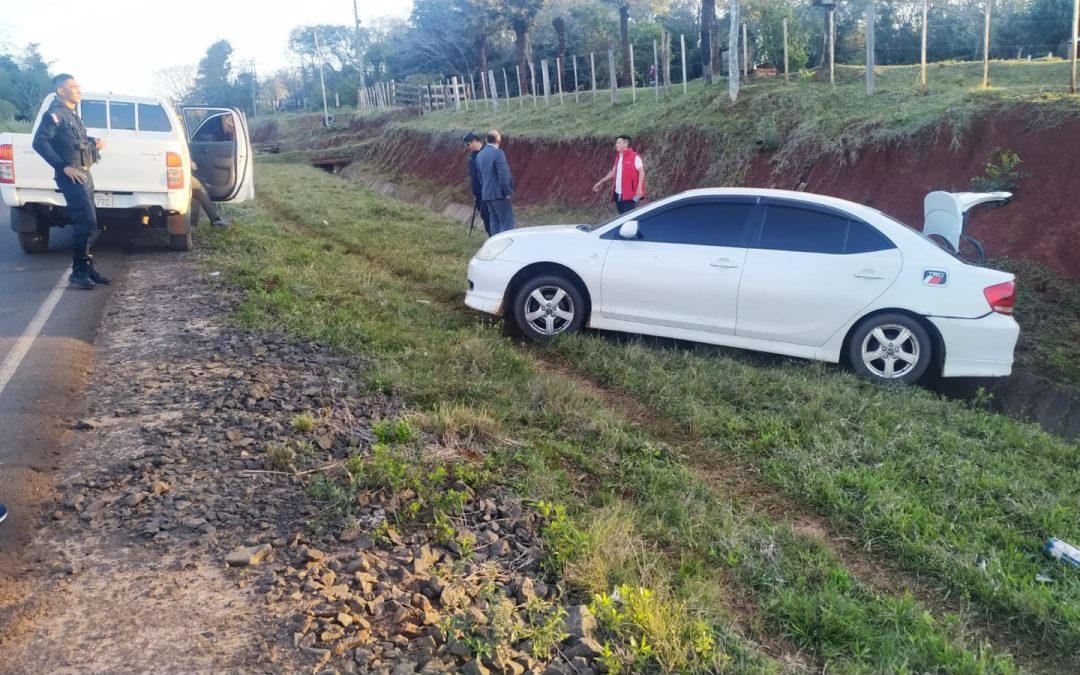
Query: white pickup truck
145	170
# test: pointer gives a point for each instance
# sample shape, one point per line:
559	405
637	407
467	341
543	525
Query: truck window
152	117
121	115
93	114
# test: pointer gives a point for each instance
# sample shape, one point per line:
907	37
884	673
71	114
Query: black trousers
624	205
485	215
81	212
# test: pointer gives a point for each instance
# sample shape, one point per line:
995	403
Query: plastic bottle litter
1063	551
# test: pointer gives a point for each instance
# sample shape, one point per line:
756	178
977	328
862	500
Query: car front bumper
978	347
488	280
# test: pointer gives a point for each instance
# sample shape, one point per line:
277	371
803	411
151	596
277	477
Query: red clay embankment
1042	223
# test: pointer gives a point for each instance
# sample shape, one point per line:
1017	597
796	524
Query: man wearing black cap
474	144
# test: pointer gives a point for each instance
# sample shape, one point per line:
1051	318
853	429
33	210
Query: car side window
152	117
862	238
789	228
122	115
702	223
93	114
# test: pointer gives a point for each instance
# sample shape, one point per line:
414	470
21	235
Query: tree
213	83
623	6
559	24
176	83
24	82
708	24
520	15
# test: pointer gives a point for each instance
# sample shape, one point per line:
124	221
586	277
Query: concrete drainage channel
1032	397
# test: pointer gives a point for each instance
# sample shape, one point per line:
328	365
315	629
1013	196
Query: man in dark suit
496	183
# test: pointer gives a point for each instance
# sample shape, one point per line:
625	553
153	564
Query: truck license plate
103	200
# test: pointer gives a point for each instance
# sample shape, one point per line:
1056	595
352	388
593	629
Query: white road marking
26	340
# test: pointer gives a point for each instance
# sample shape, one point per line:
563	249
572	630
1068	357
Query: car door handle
724	262
868	274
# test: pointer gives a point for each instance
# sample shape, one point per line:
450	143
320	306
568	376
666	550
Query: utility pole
322	82
361	100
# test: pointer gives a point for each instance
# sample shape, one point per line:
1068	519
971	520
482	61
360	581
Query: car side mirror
629	230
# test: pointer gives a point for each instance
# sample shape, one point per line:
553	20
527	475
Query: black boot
95	276
80	275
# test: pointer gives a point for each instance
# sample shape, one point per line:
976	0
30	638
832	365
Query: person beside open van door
62	141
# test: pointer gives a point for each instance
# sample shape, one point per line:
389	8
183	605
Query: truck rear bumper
173	201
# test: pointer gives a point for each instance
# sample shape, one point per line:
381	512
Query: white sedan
790	273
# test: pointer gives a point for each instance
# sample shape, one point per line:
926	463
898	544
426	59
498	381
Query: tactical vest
70	140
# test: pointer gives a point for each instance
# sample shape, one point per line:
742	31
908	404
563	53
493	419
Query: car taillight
1002	297
7	163
174	167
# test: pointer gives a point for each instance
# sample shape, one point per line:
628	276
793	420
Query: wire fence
594	77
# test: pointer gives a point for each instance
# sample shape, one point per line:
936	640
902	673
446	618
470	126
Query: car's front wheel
890	348
547	305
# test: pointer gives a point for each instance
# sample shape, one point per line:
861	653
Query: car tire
890	347
547	305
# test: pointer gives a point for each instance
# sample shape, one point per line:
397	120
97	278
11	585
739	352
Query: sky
117	45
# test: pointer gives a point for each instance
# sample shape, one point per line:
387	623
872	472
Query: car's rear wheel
890	348
547	305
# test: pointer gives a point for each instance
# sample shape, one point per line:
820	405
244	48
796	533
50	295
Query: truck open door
220	145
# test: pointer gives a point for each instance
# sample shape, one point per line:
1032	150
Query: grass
1048	310
15	127
959	494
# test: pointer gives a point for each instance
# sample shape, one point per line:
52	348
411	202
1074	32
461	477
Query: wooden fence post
682	51
559	65
547	82
494	90
592	66
745	56
656	72
871	21
521	92
785	50
612	78
576	99
532	72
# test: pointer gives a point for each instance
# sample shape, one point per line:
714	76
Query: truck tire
181	222
180	242
33	234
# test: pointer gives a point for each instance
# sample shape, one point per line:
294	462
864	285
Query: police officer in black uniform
61	139
474	144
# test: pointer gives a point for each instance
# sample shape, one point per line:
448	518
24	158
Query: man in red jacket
628	174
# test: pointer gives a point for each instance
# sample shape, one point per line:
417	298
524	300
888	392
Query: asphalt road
46	393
